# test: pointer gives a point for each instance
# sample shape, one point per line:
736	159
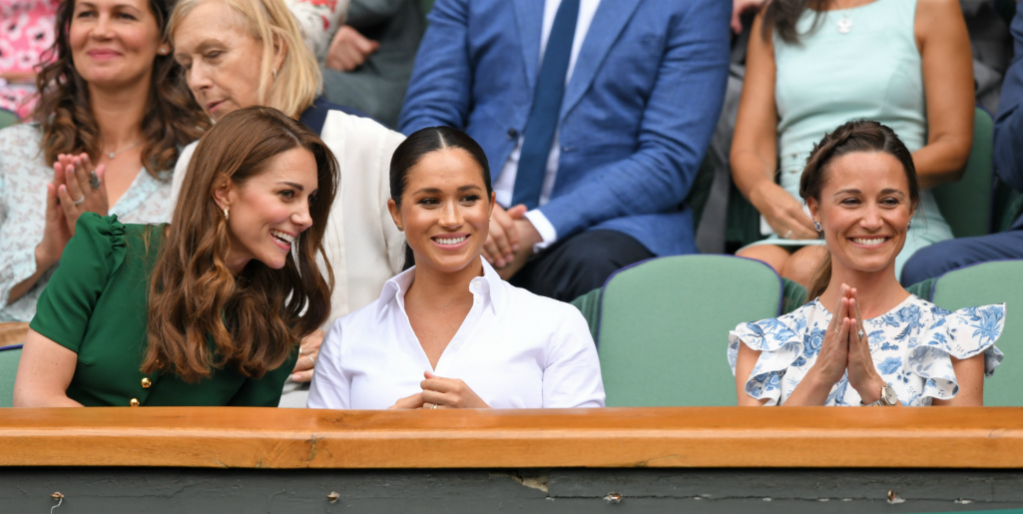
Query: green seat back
8	370
664	326
7	118
966	204
992	282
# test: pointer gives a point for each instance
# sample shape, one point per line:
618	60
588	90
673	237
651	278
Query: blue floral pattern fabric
911	346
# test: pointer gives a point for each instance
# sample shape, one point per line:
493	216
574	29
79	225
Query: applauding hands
77	187
845	349
442	393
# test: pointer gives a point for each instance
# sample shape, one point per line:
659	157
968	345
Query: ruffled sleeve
961	334
90	258
780	345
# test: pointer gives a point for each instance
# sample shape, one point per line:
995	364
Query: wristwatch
888	398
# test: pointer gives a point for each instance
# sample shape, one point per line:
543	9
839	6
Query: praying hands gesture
845	349
441	393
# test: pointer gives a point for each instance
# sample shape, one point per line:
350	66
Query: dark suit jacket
1009	121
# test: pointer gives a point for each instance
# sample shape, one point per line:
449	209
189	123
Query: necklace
111	155
845	24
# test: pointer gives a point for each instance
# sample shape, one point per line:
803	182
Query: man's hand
349	49
528	237
503	239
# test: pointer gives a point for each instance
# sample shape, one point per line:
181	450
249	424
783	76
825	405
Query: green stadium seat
7	118
663	329
8	370
987	283
966	204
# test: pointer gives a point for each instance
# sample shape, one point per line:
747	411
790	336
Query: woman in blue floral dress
864	340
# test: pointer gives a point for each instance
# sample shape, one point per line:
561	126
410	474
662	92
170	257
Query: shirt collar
489	287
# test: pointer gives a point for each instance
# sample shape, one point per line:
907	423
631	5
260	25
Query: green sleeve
266	391
88	262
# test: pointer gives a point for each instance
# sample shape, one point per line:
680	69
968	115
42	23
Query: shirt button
134	402
146	383
567	149
513	134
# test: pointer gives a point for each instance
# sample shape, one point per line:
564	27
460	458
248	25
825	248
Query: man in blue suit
594	115
935	260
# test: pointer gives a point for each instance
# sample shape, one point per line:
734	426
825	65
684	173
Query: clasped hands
441	393
844	350
69	195
510	242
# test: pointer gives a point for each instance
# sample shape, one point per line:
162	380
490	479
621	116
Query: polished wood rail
637	437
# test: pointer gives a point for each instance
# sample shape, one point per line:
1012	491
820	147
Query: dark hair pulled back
422	142
854	136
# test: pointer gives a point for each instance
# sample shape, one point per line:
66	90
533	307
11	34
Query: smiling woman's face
864	210
445	210
221	59
114	42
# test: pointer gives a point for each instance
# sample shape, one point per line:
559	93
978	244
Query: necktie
543	116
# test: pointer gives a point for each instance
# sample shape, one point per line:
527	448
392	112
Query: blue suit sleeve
677	124
438	92
1008	152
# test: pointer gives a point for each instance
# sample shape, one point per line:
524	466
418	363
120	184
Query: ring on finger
860	333
94	180
79	201
787	234
434	407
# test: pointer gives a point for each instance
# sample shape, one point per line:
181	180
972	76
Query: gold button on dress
134	402
146	383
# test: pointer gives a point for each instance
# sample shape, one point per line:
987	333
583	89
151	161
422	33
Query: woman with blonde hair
113	116
239	53
208	310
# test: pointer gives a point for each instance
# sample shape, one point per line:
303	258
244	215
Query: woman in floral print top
864	339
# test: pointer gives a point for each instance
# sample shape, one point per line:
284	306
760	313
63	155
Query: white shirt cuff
542	225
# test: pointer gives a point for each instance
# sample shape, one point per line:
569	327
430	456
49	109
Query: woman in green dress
208	310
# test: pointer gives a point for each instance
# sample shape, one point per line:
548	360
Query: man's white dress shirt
514	350
505	184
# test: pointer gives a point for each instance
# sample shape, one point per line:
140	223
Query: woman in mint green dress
208	310
821	63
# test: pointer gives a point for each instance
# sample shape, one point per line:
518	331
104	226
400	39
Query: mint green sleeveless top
872	70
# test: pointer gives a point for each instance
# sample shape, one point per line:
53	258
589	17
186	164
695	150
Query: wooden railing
620	438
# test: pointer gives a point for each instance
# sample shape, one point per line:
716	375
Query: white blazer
364	247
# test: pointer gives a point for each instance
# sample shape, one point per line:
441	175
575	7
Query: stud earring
400	228
817	225
909	224
227	215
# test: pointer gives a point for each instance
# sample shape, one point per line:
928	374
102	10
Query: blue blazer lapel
529	17
608	22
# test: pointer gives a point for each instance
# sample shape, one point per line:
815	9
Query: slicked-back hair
200	315
422	142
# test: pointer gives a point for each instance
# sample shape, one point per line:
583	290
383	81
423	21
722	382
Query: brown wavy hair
781	16
200	315
853	136
173	119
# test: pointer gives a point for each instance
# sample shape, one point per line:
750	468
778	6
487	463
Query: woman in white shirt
449	333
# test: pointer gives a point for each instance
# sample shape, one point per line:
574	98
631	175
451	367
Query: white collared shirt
514	350
505	184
